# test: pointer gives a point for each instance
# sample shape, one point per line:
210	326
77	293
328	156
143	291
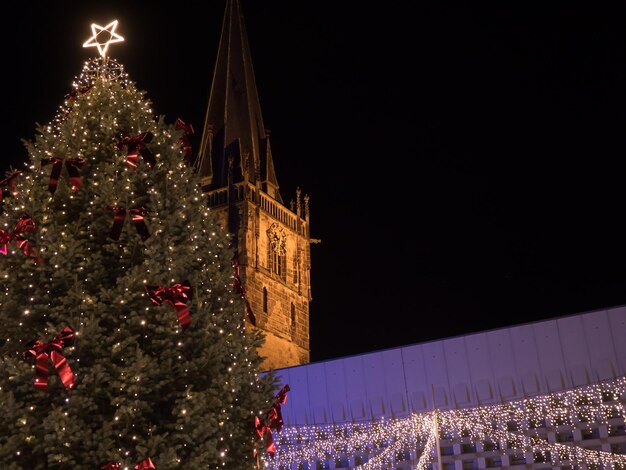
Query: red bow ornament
275	419
145	464
177	296
264	435
24	225
274	415
138	216
9	181
42	352
137	146
73	96
241	290
76	92
187	131
72	165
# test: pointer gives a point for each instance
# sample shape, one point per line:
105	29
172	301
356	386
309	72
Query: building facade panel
506	364
417	388
438	383
336	386
375	385
356	394
507	380
527	360
459	376
316	378
601	345
298	406
550	355
575	350
481	368
617	321
394	382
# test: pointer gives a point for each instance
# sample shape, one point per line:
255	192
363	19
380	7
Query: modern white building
548	394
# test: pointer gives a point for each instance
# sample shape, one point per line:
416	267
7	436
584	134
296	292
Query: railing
219	197
281	214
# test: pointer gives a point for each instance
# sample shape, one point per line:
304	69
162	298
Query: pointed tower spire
270	242
233	124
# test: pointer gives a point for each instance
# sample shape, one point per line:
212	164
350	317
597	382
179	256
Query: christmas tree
122	341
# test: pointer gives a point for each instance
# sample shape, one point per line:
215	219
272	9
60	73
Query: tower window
293	320
277	251
295	269
278	264
264	300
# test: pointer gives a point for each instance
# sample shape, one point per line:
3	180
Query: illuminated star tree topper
102	37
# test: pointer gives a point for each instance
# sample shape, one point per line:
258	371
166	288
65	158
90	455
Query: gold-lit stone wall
279	301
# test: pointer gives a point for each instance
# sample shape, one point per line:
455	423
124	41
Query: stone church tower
273	241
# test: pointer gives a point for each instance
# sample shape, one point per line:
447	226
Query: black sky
466	164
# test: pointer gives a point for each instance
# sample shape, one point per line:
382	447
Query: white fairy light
377	444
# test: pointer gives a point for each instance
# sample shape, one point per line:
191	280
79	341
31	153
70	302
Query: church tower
272	241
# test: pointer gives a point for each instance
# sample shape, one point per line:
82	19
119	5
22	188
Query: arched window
278	264
277	251
295	268
264	300
293	320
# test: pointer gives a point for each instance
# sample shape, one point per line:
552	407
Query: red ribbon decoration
274	415
187	131
72	165
137	214
42	352
275	422
10	182
24	225
145	464
177	296
137	146
264	435
110	466
282	395
241	290
72	95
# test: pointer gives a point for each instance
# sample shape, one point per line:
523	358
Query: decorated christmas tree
122	340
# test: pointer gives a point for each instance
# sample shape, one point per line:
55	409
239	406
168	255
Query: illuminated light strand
427	452
574	454
104	69
582	407
315	442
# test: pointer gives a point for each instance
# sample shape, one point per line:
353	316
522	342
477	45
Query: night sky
466	164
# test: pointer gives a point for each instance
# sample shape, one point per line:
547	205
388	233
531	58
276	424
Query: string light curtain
517	425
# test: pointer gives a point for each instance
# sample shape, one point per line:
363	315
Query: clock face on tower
277	239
